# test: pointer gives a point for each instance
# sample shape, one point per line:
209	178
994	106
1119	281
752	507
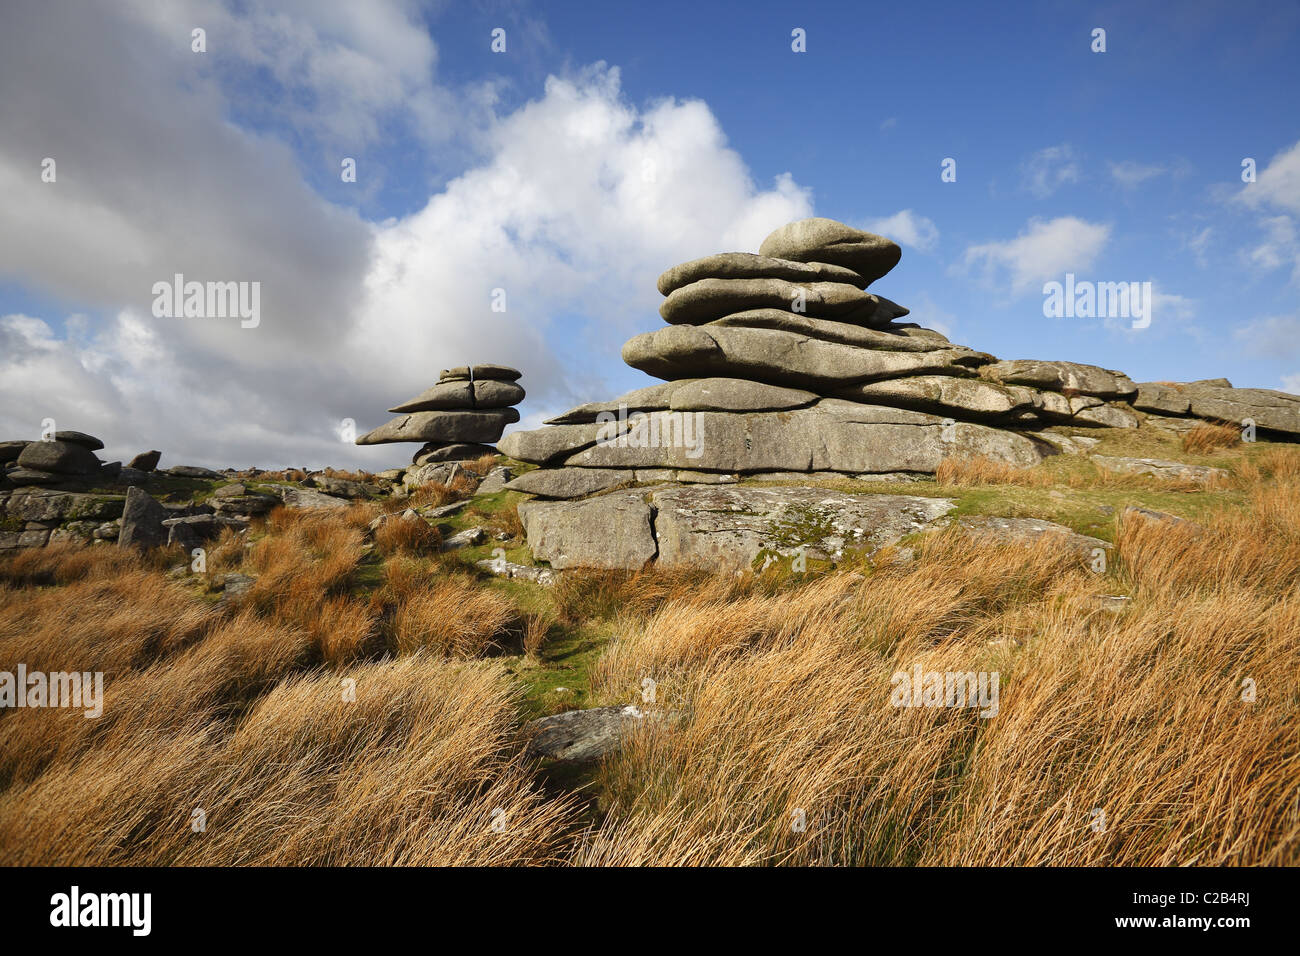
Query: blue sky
479	170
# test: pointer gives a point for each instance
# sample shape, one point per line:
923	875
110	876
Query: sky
559	176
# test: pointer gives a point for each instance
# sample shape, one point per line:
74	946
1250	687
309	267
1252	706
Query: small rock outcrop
67	458
458	418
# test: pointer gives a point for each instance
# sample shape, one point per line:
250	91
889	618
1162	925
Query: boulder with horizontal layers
746	265
940	394
1066	377
478	426
569	482
707	299
825	240
783	358
833	435
895	337
465	393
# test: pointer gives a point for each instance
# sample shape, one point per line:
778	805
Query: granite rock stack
782	363
458	418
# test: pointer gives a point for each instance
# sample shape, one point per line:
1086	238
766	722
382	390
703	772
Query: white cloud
1291	383
907	229
1045	250
1276	194
1049	169
580	200
1277	184
1130	174
1280	246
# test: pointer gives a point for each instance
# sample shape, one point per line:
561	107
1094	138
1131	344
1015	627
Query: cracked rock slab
579	736
708	526
1159	468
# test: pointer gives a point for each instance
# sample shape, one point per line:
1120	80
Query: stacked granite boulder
781	364
458	418
68	458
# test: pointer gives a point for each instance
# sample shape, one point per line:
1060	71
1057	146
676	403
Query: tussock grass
453	616
1205	438
770	707
408	536
318	721
415	771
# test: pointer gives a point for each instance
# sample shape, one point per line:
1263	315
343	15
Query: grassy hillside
362	700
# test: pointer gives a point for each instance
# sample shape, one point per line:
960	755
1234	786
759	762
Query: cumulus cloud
907	229
1045	250
1049	169
1277	184
578	201
1275	194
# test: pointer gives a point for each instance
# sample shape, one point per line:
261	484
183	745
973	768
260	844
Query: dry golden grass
407	536
453	616
481	465
772	707
1204	439
64	562
505	521
422	768
978	470
314	722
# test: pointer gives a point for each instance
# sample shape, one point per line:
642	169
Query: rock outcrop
714	526
458	418
783	364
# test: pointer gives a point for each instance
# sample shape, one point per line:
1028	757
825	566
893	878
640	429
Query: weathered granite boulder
581	736
193	471
1161	398
547	444
307	498
1067	377
59	457
945	393
833	435
715	526
711	525
1160	468
1268	409
825	240
145	461
783	358
569	482
479	426
746	265
609	531
707	299
487	393
89	442
344	487
142	521
896	337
